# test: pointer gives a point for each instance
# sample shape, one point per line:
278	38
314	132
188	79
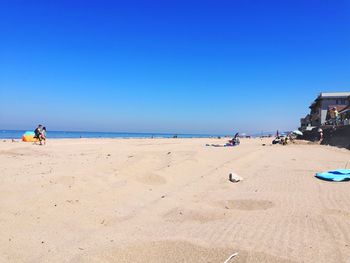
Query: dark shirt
37	132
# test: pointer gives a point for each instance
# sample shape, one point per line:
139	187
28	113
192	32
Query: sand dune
169	200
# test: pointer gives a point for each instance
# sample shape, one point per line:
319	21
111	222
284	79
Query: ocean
17	134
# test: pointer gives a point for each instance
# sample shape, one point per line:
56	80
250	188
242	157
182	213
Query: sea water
17	134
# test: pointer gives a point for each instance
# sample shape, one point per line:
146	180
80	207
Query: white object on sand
234	178
231	257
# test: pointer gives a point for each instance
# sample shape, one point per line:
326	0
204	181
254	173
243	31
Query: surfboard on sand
335	175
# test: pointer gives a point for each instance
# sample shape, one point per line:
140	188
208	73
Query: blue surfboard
335	175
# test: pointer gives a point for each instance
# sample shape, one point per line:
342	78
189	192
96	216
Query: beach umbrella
297	132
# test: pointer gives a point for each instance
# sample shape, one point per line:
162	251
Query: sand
170	200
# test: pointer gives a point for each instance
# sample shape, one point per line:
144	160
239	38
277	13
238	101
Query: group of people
283	139
40	134
333	117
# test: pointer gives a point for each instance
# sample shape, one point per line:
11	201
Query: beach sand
169	200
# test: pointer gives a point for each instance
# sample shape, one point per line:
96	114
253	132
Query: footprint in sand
66	180
152	179
186	215
166	251
246	204
337	212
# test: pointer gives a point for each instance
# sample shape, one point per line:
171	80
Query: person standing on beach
38	133
320	134
43	135
335	116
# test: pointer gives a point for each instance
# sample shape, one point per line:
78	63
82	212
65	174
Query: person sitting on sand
277	140
234	141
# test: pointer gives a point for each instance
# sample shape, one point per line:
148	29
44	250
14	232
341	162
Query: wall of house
340	136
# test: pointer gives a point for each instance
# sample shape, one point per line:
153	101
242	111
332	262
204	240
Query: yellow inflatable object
29	138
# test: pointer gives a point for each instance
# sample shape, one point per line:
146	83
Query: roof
334	94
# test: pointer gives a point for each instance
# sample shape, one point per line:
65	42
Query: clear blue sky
169	66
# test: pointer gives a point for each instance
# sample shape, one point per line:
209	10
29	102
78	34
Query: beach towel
335	175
